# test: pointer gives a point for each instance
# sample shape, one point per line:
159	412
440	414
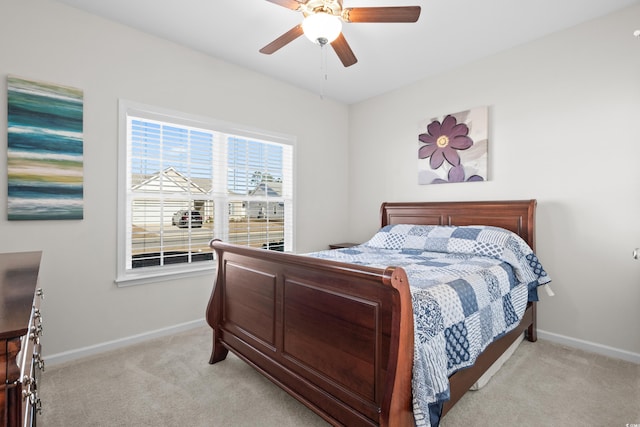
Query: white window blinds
187	181
259	193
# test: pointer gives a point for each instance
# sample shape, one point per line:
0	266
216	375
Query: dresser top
18	281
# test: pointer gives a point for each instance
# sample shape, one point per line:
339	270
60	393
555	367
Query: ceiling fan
323	19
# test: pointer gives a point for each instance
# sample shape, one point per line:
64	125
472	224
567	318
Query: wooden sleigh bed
339	337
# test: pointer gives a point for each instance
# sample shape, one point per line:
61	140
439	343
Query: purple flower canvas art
453	148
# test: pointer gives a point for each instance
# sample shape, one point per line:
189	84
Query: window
186	180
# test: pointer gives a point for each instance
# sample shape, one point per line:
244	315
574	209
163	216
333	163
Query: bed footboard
337	337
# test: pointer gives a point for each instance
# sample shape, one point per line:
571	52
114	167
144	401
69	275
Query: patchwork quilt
469	286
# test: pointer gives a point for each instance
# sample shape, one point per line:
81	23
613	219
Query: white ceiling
448	34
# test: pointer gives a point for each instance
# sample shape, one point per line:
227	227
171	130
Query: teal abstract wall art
44	150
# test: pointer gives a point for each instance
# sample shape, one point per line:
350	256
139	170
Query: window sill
154	275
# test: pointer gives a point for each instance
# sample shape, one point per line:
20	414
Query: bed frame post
397	408
214	314
532	330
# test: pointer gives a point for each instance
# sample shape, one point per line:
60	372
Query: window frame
128	277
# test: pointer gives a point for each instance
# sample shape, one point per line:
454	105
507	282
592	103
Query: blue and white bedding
469	286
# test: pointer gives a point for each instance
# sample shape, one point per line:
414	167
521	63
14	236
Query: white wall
564	114
47	41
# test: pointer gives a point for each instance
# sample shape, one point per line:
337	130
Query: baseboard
68	356
591	347
71	355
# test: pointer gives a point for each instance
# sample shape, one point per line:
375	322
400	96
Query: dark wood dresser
20	330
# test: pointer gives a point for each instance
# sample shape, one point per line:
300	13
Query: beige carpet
168	382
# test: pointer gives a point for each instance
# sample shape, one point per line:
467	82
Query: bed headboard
515	215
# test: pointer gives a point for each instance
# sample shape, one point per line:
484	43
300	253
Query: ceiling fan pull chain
323	69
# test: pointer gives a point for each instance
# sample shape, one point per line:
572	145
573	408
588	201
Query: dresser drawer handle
28	394
36	331
34	400
39	362
38	405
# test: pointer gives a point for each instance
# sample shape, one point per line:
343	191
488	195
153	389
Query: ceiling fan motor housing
330	7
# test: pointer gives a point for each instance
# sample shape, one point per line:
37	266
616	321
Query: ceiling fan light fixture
322	28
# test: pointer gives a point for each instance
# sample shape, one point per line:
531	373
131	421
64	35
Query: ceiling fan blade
283	40
289	4
343	50
382	14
